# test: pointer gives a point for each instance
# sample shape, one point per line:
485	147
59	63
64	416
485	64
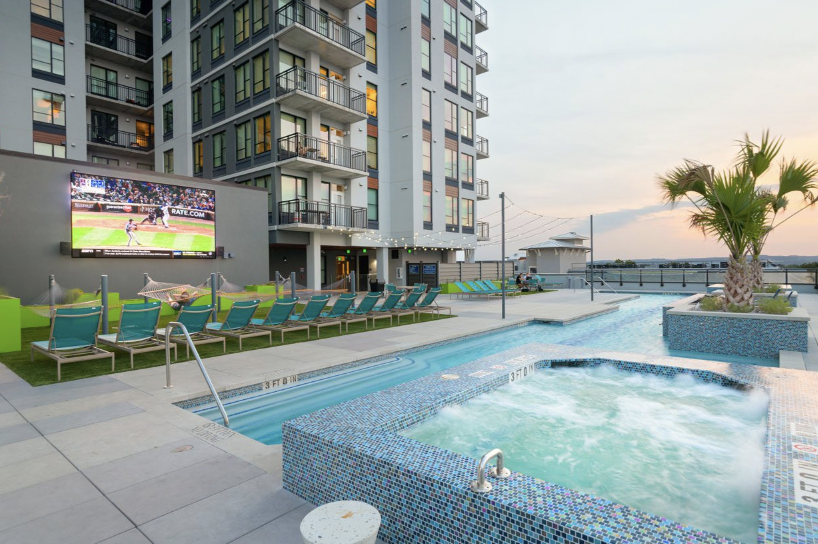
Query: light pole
503	249
592	258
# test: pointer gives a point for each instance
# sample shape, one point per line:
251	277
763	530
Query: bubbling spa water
677	448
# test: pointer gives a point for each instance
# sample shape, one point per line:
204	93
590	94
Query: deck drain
450	377
181	449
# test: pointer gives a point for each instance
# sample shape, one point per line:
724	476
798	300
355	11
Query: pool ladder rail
176	325
480	485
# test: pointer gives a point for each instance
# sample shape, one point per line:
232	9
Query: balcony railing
321	213
482	231
482	188
481	15
111	40
117	138
481	58
298	12
114	91
299	79
143	7
482	102
308	147
481	144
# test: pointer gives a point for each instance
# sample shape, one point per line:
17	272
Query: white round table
342	522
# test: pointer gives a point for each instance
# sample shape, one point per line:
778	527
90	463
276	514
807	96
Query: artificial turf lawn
43	371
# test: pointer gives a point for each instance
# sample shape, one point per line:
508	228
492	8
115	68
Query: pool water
635	327
678	448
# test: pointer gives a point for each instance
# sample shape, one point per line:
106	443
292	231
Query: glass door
104	82
144	91
102	32
144	134
104	127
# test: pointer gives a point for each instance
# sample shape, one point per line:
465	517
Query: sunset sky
590	100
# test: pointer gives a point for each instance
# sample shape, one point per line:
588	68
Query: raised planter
10	318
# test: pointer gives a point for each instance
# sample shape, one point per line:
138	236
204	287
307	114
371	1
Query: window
241	18
144	134
466	168
465	31
243	81
104	82
371	204
167	161
450	70
219	147
467	123
372	152
50	9
466	79
467	215
262	134
217	40
196	106
217	89
47	57
261	72
371	3
293	188
166	21
425	9
451	210
425	55
198	157
105	160
450	163
371	47
195	8
244	140
196	55
426	102
427	156
288	60
48	107
371	99
49	150
427	206
167	118
290	124
449	19
167	70
144	166
261	14
450	114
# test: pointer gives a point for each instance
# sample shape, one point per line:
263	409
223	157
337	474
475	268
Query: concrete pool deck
110	459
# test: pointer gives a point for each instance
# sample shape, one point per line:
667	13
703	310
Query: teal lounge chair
339	310
278	318
195	319
385	310
468	291
429	304
480	288
489	286
73	337
137	330
407	307
311	314
362	311
237	323
390	288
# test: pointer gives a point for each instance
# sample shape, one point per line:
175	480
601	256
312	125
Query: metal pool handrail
176	325
481	485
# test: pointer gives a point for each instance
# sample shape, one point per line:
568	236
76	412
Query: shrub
71	295
712	304
778	306
736	309
770	288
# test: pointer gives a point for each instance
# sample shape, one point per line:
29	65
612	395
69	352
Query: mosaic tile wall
352	451
735	336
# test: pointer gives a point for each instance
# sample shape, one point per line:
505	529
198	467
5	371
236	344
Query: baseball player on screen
165	214
130	230
151	218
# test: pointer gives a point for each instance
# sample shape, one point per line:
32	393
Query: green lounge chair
73	337
311	314
362	311
137	330
407	307
339	310
429	305
237	323
278	318
385	310
194	318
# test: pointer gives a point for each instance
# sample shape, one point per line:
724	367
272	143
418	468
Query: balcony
481	103
482	189
344	4
309	154
306	215
481	145
482	231
120	97
128	142
481	19
111	46
130	12
305	90
308	29
481	60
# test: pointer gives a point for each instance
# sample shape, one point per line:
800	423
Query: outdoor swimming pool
635	328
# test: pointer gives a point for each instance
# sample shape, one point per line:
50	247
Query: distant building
557	255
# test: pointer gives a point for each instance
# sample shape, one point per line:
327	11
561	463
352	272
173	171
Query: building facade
557	255
359	117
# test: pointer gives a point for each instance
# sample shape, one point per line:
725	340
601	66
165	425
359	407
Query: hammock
169	292
47	303
236	292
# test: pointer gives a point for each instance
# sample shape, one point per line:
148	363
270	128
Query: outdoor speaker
219	251
65	248
396	254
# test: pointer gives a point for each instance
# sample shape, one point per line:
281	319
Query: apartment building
359	117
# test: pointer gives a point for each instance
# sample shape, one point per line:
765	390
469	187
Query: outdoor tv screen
115	217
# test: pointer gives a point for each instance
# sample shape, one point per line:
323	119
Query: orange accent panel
427	186
48	138
451	144
426	32
427	135
47	34
371	23
372	183
372	130
452	191
450	48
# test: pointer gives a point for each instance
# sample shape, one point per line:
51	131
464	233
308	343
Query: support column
382	255
314	262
